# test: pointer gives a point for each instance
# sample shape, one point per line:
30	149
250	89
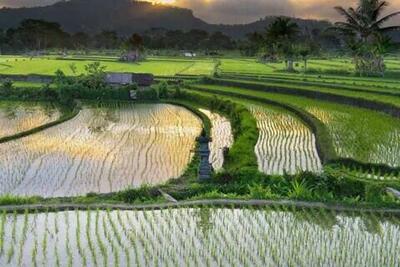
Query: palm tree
135	45
280	36
366	25
304	51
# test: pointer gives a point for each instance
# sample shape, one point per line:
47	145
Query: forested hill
124	16
127	16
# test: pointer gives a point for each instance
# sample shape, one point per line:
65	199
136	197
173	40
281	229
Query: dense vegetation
303	132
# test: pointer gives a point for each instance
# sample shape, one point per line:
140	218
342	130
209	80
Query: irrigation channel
222	138
104	149
200	236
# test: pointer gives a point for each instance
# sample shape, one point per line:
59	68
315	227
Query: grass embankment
241	180
67	113
244	128
324	142
355	131
318	84
376	102
333	66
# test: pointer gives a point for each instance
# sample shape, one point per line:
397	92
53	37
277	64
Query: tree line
363	34
37	35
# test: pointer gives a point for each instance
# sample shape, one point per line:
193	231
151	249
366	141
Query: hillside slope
127	16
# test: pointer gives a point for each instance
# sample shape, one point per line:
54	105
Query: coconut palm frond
349	17
380	6
389	29
385	19
346	26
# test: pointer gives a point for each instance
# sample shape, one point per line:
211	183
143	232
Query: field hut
121	78
132	56
189	54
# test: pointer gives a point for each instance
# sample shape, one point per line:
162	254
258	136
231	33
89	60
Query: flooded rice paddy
16	117
285	144
222	138
199	237
104	149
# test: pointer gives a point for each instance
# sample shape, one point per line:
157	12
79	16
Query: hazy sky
240	11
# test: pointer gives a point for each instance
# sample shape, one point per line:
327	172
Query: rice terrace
170	133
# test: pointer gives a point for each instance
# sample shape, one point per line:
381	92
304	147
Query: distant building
189	54
121	78
132	56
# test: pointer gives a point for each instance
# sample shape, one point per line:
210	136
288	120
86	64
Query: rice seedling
99	240
67	237
55	238
35	247
10	252
104	149
3	219
23	238
89	239
285	144
364	135
78	237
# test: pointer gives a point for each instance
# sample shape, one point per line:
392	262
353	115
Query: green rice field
199	237
156	66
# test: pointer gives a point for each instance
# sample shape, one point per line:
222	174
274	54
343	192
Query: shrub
143	193
16	200
162	89
374	192
300	190
6	87
258	191
148	94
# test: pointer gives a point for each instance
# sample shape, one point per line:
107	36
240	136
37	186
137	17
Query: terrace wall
387	108
27	78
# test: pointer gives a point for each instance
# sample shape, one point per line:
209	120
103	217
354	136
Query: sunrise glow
163	2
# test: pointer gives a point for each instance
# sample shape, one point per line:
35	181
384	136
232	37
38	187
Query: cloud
243	11
236	11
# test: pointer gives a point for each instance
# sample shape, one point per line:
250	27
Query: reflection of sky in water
16	117
218	237
145	144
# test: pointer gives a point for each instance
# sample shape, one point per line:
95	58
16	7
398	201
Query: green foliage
6	200
366	34
374	192
244	128
6	88
143	193
258	191
148	94
300	190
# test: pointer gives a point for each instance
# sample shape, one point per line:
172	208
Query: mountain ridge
126	17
